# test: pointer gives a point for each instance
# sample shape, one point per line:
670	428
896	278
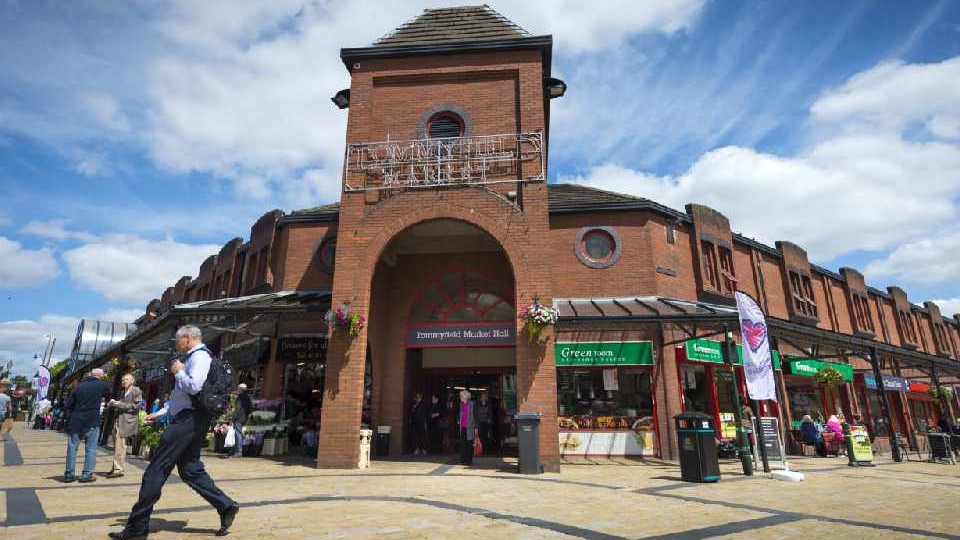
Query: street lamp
729	354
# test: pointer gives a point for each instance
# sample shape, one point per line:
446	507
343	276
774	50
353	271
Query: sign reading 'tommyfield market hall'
462	335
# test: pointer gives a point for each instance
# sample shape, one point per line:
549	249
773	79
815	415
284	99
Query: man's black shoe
226	520
68	479
125	535
87	479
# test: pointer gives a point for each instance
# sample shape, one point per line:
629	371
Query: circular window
326	254
598	247
444	125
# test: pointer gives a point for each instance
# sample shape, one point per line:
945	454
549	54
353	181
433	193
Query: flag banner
757	362
43	382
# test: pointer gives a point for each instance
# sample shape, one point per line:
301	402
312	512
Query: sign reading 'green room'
604	353
809	367
706	350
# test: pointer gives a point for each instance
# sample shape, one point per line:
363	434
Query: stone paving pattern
596	499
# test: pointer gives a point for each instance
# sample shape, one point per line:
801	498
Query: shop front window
725	406
695	391
805	400
601	398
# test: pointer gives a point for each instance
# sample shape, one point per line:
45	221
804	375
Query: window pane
598	245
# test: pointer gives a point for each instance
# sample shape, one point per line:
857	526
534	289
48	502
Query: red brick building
447	226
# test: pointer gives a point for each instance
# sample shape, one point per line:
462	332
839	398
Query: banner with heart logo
43	382
757	362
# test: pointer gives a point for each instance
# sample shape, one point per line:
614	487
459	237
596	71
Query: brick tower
445	166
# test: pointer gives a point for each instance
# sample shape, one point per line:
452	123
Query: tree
21	381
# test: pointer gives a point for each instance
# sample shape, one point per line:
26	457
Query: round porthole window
326	254
598	247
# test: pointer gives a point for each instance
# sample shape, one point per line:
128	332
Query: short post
848	442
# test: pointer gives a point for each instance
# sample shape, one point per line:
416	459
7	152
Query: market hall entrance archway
443	319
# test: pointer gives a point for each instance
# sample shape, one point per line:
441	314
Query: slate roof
453	25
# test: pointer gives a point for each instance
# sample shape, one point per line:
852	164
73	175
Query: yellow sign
861	444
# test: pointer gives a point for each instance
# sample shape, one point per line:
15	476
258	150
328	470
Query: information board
862	453
772	443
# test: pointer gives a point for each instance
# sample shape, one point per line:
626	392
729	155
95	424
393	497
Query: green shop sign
808	367
604	353
706	350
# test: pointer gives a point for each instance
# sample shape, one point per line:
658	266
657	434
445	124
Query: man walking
6	412
83	409
180	442
128	409
241	410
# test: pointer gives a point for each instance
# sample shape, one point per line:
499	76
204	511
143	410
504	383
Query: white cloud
131	269
25	267
56	229
948	307
105	111
20	340
929	260
862	185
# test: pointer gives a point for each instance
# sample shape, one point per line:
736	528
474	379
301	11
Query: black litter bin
698	447
528	441
382	443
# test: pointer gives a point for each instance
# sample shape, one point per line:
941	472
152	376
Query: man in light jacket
128	409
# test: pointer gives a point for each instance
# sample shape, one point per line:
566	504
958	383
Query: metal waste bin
698	447
383	441
528	440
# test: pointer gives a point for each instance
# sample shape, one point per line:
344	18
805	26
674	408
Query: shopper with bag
466	427
241	410
6	412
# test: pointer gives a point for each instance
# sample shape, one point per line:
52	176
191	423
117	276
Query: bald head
96	373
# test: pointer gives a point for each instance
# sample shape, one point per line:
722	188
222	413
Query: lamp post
729	353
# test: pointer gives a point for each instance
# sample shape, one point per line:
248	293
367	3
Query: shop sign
919	387
462	335
608	443
707	350
772	443
809	367
306	350
890	383
862	453
604	353
154	373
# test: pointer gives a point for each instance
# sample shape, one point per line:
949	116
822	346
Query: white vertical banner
757	363
43	382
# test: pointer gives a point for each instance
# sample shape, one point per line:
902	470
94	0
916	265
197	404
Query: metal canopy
94	337
658	309
215	318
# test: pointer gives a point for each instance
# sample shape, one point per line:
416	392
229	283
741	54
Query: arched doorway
443	319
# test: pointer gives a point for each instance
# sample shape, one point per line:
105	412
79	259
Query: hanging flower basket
536	317
346	319
941	392
828	377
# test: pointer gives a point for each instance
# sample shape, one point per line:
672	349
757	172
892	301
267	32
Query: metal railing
486	159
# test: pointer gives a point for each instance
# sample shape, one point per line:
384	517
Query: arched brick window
463	296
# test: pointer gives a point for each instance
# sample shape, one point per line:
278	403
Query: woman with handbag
466	427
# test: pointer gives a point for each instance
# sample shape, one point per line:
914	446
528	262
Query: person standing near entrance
181	442
419	418
128	409
83	410
466	427
485	421
438	424
241	410
6	412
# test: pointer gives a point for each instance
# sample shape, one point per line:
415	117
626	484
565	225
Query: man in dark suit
83	410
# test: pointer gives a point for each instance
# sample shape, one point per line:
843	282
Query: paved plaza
603	500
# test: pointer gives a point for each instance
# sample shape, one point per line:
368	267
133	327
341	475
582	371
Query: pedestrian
164	419
181	441
466	427
419	417
241	410
128	409
485	421
6	412
83	409
810	434
40	412
438	424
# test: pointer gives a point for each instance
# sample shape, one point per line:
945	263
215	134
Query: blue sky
136	138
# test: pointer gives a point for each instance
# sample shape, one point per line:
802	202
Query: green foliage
828	377
149	434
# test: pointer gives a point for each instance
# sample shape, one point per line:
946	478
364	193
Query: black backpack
214	396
